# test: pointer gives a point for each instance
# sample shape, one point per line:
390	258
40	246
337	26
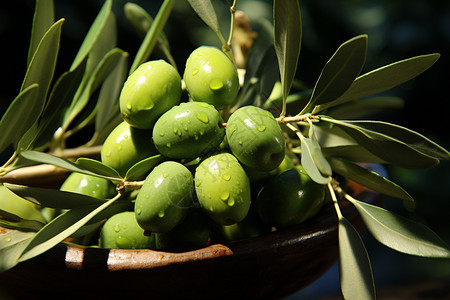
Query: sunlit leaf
287	25
139	170
53	198
61	228
9	220
205	10
368	178
400	233
152	35
12	243
12	127
43	18
340	71
62	163
18	208
308	161
93	34
97	167
385	78
354	264
394	144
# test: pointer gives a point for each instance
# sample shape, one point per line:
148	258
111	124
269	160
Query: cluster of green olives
221	180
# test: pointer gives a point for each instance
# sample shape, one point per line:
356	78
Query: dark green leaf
354	264
288	35
97	167
385	78
9	220
205	10
103	69
19	117
340	71
394	144
62	163
53	198
152	35
12	243
142	168
361	109
61	228
42	65
43	18
93	34
400	233
107	103
368	178
355	153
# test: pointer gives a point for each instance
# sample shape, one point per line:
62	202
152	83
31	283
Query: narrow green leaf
205	10
288	35
308	161
28	106
139	170
61	228
12	244
43	18
141	21
368	178
18	207
42	65
8	220
320	160
360	109
355	153
152	35
97	167
340	71
93	34
107	104
395	144
354	264
62	163
385	78
53	198
400	233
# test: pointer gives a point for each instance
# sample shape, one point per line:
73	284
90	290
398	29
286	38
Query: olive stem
232	11
8	162
296	119
335	201
126	186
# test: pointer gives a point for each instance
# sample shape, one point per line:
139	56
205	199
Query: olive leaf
13	128
359	109
61	228
18	208
384	78
93	34
339	72
43	18
141	21
12	243
139	170
287	26
97	167
152	35
205	10
394	144
103	69
355	153
9	220
313	161
400	233
53	198
368	178
63	163
354	264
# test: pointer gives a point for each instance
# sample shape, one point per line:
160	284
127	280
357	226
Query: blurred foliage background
396	30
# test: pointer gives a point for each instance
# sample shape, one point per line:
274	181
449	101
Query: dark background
396	30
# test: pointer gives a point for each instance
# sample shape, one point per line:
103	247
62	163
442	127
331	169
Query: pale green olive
152	89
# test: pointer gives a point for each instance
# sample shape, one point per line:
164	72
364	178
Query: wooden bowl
270	266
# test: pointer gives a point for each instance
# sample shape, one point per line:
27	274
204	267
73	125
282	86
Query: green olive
256	176
210	76
290	198
125	146
164	198
152	89
223	188
89	185
194	232
188	130
255	138
123	232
